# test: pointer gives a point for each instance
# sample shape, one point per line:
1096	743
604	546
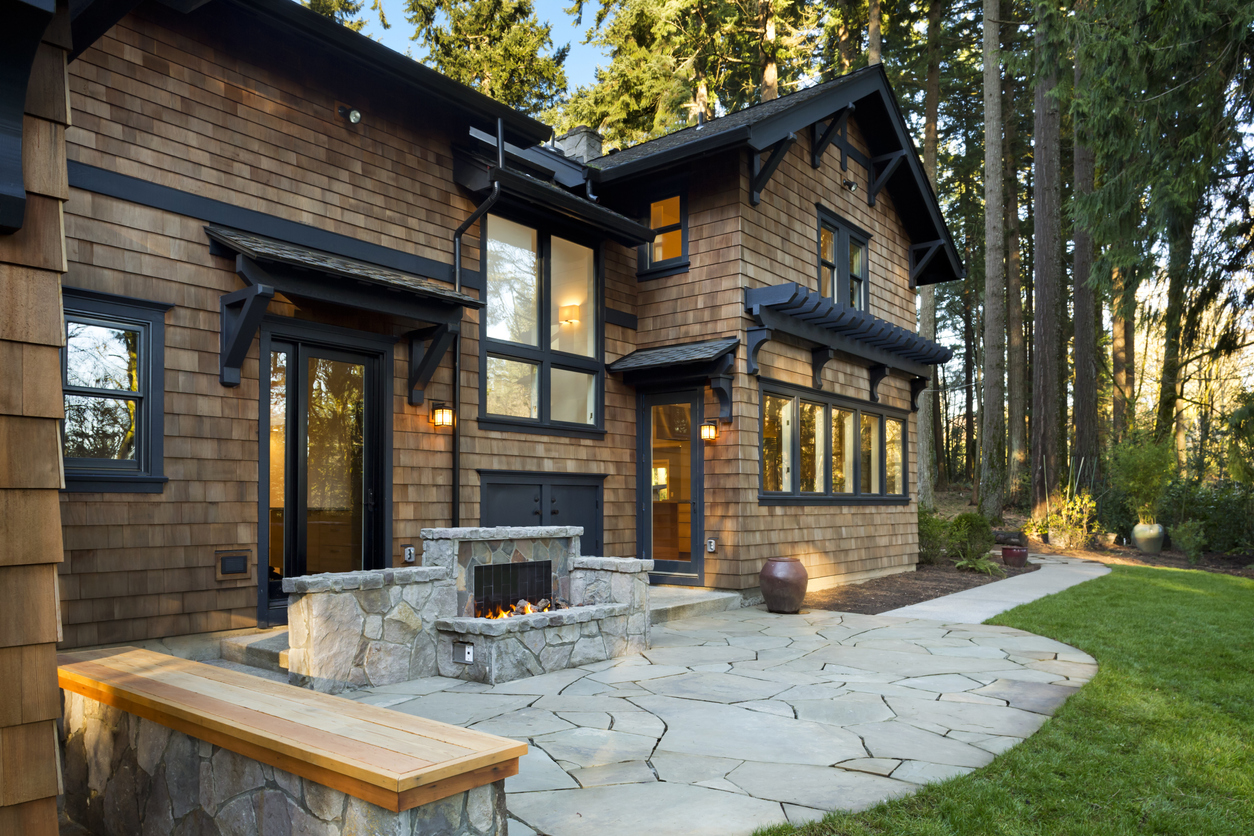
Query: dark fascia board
566	171
716	141
369	55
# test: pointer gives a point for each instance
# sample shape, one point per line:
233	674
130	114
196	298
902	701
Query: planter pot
1148	538
783	581
1016	556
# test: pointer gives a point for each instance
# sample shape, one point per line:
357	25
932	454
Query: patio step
670	603
266	649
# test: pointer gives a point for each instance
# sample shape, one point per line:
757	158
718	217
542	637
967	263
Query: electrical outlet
711	545
464	653
410	553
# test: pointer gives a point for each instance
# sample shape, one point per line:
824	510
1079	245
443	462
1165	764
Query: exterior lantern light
441	415
352	114
709	431
568	314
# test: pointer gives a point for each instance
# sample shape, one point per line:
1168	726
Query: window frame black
148	318
843	230
543	356
646	268
795	496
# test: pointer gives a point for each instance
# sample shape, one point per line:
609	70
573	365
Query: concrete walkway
973	606
739	719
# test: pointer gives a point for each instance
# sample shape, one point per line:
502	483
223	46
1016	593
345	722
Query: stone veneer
127	776
364	629
381	627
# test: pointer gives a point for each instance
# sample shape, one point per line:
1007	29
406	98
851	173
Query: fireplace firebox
499	586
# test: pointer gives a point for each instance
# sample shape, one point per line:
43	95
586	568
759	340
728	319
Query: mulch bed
882	594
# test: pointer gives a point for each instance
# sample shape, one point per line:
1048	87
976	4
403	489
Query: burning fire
523	607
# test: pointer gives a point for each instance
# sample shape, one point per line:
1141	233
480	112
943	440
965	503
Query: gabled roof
761	126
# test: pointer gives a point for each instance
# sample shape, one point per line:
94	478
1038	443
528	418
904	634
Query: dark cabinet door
514	498
512	504
578	505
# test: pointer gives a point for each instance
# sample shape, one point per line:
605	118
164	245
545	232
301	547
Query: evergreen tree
345	12
498	47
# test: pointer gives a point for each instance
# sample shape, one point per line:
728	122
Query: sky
581	64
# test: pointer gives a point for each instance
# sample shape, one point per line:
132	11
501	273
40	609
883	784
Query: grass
1160	742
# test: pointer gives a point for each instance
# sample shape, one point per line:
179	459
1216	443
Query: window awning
268	265
828	328
711	362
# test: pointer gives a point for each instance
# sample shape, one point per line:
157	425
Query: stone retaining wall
126	776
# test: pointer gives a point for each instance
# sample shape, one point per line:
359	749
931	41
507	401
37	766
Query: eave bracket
882	168
241	317
427	348
24	25
820	357
917	385
921	256
762	171
822	135
878	372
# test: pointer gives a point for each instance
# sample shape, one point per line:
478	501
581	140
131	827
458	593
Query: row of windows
815	447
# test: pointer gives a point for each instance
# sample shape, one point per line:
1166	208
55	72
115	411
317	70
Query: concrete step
266	649
670	603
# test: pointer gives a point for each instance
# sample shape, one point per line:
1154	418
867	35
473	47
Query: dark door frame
545	480
670	574
326	340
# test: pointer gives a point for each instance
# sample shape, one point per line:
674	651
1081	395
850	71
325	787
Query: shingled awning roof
673	355
711	362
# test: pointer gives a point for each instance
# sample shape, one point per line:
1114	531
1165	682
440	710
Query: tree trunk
873	43
1016	347
968	380
844	36
929	404
992	411
1122	355
770	69
1085	304
1047	278
1179	257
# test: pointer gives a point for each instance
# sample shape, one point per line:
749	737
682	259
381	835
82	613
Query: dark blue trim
621	318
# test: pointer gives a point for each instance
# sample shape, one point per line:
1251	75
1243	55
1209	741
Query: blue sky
581	64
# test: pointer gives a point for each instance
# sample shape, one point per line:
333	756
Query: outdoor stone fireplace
366	629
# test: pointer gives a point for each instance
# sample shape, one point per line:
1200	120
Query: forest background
1095	162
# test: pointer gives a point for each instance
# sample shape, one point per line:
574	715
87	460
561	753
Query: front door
672	487
324	465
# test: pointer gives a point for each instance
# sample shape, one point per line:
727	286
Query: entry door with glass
324	464
671	489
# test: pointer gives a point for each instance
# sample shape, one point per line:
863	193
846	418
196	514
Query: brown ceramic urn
783	581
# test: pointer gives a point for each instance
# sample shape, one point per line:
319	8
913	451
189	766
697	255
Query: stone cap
628	565
503	532
533	621
368	579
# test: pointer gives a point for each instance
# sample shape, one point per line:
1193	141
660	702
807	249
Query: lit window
843	262
668	252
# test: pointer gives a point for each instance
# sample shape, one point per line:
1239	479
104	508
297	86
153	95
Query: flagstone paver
740	719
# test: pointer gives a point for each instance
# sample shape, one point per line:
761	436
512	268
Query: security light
353	115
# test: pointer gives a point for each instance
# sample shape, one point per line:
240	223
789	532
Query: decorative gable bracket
427	347
881	168
822	135
921	256
762	171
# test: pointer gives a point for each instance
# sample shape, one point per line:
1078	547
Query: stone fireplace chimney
580	143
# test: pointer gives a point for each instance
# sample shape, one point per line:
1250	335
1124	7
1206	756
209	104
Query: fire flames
523	607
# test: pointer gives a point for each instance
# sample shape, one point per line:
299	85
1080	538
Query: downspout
479	212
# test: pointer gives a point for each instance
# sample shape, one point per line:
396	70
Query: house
319	297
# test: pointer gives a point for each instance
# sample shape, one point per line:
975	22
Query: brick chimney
580	143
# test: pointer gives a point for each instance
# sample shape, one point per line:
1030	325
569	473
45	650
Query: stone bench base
126	776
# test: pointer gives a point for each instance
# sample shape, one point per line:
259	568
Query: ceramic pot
783	581
1148	538
1016	556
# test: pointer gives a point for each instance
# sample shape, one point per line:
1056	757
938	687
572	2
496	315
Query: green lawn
1160	742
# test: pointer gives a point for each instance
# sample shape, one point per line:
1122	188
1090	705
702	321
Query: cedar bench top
388	758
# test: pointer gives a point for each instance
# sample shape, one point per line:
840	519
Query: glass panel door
324	462
671	476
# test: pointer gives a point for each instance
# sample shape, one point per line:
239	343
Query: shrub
1191	538
1225	510
1140	468
979	564
970	537
933	530
1114	513
1072	520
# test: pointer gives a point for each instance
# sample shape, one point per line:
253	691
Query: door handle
554	512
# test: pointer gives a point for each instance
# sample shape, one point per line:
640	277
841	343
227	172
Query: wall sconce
441	415
568	314
851	185
352	114
709	431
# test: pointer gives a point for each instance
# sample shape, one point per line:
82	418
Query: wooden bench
394	760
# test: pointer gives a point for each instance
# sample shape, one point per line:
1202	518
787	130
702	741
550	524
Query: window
542	346
843	261
112	374
844	454
667	216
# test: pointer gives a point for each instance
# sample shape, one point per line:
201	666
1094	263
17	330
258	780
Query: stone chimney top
580	143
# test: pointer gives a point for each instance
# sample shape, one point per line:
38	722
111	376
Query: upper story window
817	449
843	262
542	346
112	374
667	216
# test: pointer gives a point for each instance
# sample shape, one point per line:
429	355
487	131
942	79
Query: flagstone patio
744	718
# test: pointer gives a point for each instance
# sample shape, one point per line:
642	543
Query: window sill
113	483
777	499
506	425
662	271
